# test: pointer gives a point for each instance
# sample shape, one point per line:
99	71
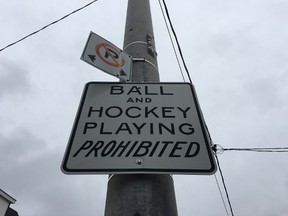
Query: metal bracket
135	42
145	60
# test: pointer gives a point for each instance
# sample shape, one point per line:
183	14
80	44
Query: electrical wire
180	50
224	184
216	150
219	149
275	150
176	39
221	194
52	23
172	42
188	74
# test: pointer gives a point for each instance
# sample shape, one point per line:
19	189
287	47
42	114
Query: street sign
138	128
105	56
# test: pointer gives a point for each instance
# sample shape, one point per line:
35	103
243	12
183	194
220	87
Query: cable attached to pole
188	74
52	23
171	39
224	184
222	197
176	39
218	149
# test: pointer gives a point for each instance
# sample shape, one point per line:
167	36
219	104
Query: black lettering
148	100
95	148
196	151
147	112
117	112
139	100
175	148
124	127
111	51
85	146
130	100
154	149
94	110
164	93
151	128
89	125
134	89
166	143
122	146
131	149
184	111
139	127
166	111
127	112
102	129
145	145
116	90
189	129
149	93
171	130
109	148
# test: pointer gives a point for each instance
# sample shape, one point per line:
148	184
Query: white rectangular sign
139	128
105	56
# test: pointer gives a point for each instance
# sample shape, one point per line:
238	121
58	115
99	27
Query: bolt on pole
141	194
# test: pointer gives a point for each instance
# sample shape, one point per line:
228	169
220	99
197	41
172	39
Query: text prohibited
139	128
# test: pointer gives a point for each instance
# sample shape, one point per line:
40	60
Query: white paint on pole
105	56
139	128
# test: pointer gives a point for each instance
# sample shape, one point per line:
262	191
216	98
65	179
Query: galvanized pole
141	194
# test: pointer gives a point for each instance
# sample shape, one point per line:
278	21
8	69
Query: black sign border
210	171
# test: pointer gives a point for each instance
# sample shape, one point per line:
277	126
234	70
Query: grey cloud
31	172
19	147
13	79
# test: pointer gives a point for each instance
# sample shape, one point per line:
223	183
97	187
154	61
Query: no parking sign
105	56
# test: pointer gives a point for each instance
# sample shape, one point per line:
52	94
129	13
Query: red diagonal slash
110	51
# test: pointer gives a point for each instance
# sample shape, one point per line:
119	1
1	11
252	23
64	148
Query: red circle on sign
110	55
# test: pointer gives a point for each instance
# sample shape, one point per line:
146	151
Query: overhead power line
216	148
171	39
225	187
219	149
221	194
52	23
176	39
276	150
188	74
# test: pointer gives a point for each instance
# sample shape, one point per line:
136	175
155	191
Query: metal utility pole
141	194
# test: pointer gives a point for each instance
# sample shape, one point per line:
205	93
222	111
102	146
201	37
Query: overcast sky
237	54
